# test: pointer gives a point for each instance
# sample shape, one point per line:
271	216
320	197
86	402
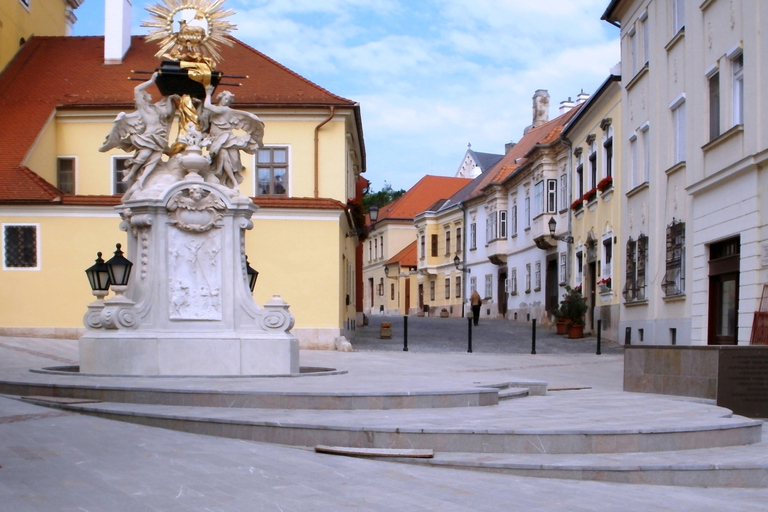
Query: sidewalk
55	460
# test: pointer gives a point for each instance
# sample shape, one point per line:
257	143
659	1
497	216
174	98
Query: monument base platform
174	354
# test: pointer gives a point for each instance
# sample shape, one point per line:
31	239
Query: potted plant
561	322
590	195
605	183
578	204
573	307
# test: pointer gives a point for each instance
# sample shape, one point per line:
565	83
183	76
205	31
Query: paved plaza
60	460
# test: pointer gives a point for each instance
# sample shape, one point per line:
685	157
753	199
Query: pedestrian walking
475	301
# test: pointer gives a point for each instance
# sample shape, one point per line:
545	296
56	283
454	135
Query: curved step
368	400
478	430
738	466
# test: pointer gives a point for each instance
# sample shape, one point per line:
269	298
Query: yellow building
58	100
596	207
22	19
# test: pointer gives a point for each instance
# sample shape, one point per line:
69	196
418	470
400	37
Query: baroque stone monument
187	309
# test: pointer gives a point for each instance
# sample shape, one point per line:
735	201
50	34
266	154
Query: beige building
694	155
58	100
595	221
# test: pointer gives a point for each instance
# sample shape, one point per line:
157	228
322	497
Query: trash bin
385	332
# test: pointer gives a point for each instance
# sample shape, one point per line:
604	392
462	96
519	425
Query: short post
405	333
533	336
628	336
469	335
599	333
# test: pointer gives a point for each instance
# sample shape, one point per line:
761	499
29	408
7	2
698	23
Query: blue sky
430	75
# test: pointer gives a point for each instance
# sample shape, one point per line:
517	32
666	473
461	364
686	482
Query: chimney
540	108
508	147
566	105
582	97
117	30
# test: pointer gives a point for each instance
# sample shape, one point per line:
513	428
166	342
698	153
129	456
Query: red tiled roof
544	134
69	72
422	195
300	203
406	257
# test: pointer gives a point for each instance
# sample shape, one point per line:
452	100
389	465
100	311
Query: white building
695	150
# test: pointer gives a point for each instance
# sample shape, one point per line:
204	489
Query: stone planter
385	332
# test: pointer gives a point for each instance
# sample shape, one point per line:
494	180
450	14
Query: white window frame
737	68
473	236
288	170
527	212
447	287
634	165
678	16
551	196
113	171
538	199
632	34
678	129
73	159
537	277
472	285
502	224
488	286
563	267
38	255
563	191
513	281
646	152
513	220
527	278
646	37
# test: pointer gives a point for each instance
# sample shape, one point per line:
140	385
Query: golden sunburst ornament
189	29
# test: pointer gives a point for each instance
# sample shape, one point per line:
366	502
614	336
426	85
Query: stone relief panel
194	275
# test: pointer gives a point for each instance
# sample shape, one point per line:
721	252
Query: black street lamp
457	262
98	277
253	274
552	227
119	268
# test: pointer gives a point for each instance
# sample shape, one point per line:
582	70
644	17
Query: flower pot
576	331
562	327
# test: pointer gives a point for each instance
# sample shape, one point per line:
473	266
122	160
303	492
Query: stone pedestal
188	309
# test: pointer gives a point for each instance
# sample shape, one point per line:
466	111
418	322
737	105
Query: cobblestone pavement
491	336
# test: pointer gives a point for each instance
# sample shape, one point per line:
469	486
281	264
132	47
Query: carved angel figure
225	145
144	131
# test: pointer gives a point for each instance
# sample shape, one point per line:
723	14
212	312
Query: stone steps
512	427
737	466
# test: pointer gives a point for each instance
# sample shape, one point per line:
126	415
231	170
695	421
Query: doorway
502	287
551	299
723	321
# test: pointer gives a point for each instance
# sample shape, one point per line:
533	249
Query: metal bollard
533	337
469	335
405	333
599	333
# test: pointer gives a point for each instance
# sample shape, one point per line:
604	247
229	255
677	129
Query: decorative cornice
591	138
605	123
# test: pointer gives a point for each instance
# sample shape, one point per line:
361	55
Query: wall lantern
253	275
373	213
552	227
459	266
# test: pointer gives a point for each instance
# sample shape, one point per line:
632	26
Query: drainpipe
464	273
568	144
317	149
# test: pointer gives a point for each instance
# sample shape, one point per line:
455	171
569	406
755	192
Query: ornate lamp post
252	273
98	278
119	269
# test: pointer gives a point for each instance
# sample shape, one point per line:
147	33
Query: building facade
694	159
595	223
57	202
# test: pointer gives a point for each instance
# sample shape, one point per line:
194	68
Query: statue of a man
225	145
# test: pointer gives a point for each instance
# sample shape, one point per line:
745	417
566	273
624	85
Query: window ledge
705	4
635	303
644	185
675	39
675	298
641	73
677	167
739	128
